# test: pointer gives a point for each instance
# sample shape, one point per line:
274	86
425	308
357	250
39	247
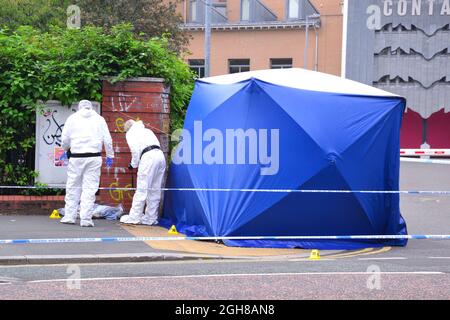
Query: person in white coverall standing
147	156
83	136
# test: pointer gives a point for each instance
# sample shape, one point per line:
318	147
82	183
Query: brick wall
145	99
35	205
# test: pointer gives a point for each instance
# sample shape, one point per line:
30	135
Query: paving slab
42	227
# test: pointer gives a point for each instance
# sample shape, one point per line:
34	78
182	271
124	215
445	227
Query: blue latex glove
109	162
64	156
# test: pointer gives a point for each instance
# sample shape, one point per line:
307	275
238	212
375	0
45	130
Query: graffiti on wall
117	194
123	102
49	126
53	125
52	134
120	123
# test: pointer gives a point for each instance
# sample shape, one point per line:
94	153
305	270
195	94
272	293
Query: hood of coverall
87	113
85	109
133	125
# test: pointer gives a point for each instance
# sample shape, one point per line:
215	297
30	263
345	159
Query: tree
40	14
150	18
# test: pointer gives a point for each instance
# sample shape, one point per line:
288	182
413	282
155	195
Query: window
197	11
239	65
220	7
193	10
256	11
245	10
219	12
198	66
300	10
281	63
294	9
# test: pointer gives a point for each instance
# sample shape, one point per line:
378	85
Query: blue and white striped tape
427	192
184	238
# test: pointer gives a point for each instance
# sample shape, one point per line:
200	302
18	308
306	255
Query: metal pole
207	37
306	44
424	131
316	63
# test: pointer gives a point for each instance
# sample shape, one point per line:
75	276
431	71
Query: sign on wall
49	125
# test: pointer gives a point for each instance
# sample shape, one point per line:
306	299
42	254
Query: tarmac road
419	271
350	278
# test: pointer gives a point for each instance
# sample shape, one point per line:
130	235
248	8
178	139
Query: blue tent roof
297	134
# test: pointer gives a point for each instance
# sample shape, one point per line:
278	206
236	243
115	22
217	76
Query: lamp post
207	37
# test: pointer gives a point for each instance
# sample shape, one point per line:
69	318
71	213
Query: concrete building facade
403	46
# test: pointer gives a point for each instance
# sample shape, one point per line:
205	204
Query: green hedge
68	65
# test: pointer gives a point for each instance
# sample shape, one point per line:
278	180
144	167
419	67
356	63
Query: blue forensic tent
289	129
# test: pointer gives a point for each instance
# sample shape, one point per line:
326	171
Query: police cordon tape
425	152
246	190
427	192
185	238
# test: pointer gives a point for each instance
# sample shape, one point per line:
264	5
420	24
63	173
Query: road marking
381	250
309	260
195	276
438	257
363	252
350	254
385	258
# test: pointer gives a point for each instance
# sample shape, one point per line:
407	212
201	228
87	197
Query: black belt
150	148
85	155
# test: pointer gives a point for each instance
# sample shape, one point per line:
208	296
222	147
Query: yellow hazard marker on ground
55	215
315	255
173	230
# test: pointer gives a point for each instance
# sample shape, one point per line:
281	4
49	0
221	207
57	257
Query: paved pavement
38	227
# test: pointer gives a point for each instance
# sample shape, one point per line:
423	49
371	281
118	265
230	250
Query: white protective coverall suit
151	167
84	133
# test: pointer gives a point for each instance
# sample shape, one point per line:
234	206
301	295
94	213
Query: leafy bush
68	65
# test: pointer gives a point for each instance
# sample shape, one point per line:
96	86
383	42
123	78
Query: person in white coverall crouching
147	156
83	136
